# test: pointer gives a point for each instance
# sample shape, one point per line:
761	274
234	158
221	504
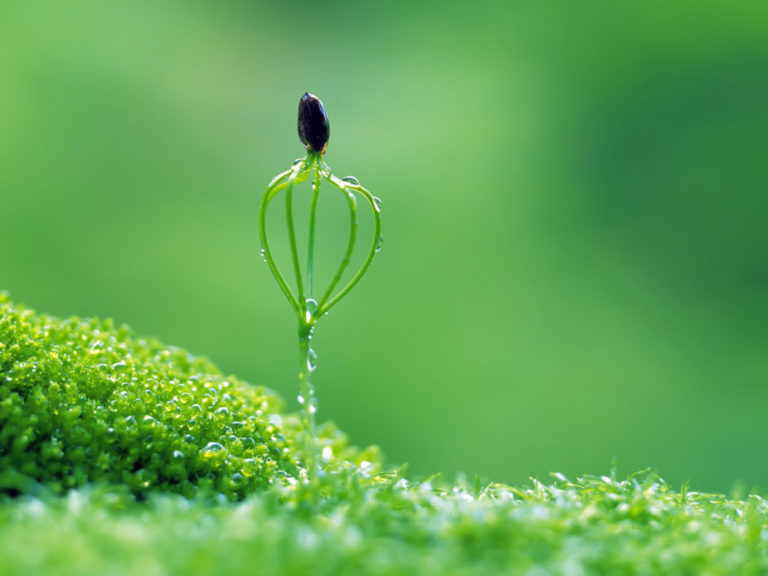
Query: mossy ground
92	420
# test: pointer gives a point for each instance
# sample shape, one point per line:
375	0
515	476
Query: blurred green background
576	213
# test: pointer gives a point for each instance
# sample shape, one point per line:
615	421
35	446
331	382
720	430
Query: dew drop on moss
212	449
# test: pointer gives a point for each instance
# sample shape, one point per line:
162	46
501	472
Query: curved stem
311	241
350	249
274	187
292	241
374	246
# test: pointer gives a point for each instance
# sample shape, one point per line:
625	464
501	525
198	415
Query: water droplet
188	438
352	180
120	364
223	411
310	304
300	399
130	420
275	420
377	202
212	449
149	420
297	161
327	454
178	454
237	477
379	243
312	408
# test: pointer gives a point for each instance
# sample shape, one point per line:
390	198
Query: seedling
307	302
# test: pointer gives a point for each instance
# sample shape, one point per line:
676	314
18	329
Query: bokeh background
576	214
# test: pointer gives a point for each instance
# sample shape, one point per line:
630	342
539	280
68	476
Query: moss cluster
82	401
89	410
385	525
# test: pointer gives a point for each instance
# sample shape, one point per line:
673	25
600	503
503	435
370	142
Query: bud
314	129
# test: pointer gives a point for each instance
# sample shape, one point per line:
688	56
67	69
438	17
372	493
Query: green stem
348	254
375	246
307	397
312	220
292	241
274	187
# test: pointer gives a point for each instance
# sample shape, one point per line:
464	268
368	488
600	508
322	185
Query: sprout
308	303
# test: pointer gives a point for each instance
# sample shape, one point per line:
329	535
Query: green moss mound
82	401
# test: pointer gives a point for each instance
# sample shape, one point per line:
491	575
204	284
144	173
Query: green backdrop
575	199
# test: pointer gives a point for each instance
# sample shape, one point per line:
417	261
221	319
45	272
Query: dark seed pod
314	129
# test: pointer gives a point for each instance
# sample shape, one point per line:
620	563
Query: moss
91	417
385	525
83	401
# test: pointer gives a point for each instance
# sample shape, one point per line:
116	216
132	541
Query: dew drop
379	243
212	449
352	180
377	202
311	360
327	454
310	305
300	399
275	420
149	420
178	454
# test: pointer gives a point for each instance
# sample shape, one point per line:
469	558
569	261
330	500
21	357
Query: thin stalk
312	220
292	241
348	254
274	187
307	397
374	246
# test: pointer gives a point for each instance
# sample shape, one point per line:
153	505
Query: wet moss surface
119	455
84	401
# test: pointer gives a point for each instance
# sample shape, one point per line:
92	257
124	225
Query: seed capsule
314	129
